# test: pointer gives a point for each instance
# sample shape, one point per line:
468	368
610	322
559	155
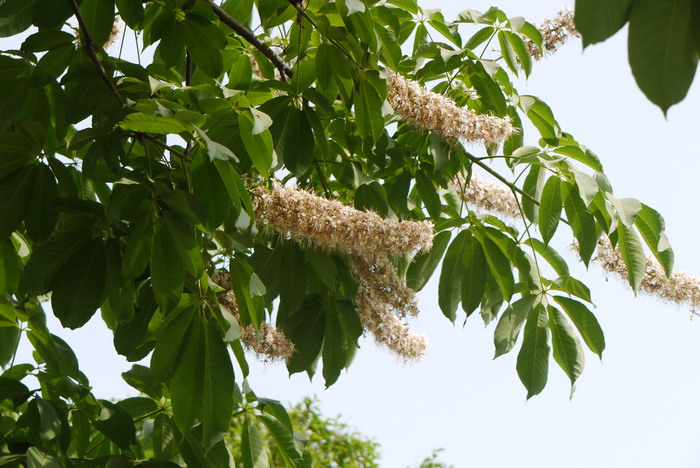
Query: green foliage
664	41
127	187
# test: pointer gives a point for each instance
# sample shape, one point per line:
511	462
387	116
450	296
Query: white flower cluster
486	195
680	287
268	343
368	240
440	114
312	220
555	32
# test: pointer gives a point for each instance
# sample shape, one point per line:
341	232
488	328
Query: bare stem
248	35
90	50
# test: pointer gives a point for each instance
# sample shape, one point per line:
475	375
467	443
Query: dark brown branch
90	49
248	35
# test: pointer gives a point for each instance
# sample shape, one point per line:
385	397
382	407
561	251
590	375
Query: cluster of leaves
664	41
331	441
125	186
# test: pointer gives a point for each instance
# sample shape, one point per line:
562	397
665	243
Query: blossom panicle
555	32
267	342
442	115
680	287
312	220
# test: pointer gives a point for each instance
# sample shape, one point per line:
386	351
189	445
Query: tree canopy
279	180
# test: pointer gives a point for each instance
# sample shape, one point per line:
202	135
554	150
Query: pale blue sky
640	407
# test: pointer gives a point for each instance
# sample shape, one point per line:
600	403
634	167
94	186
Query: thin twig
247	34
90	49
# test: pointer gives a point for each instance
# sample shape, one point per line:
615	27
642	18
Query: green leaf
294	139
541	116
131	11
47	260
283	437
140	122
217	387
662	51
167	269
54	63
9	267
258	146
598	20
571	285
11	389
517	44
138	246
41	217
13	95
423	266
533	186
98	16
450	285
15	16
39	459
586	323
204	42
555	260
627	209
368	110
428	194
566	347
583	155
293	273
15	152
252	450
15	194
500	267
186	385
473	276
509	55
167	353
306	328
186	243
208	187
581	221
652	227
334	347
508	329
78	288
632	254
550	208
116	424
239	9
533	358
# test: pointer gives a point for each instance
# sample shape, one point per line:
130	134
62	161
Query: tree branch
90	49
248	35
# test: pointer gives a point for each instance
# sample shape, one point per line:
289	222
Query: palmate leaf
632	254
167	270
662	52
652	227
77	290
581	221
253	454
450	285
533	358
508	329
217	386
423	266
585	322
550	208
567	349
598	20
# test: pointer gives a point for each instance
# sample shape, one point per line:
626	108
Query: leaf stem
90	50
247	34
